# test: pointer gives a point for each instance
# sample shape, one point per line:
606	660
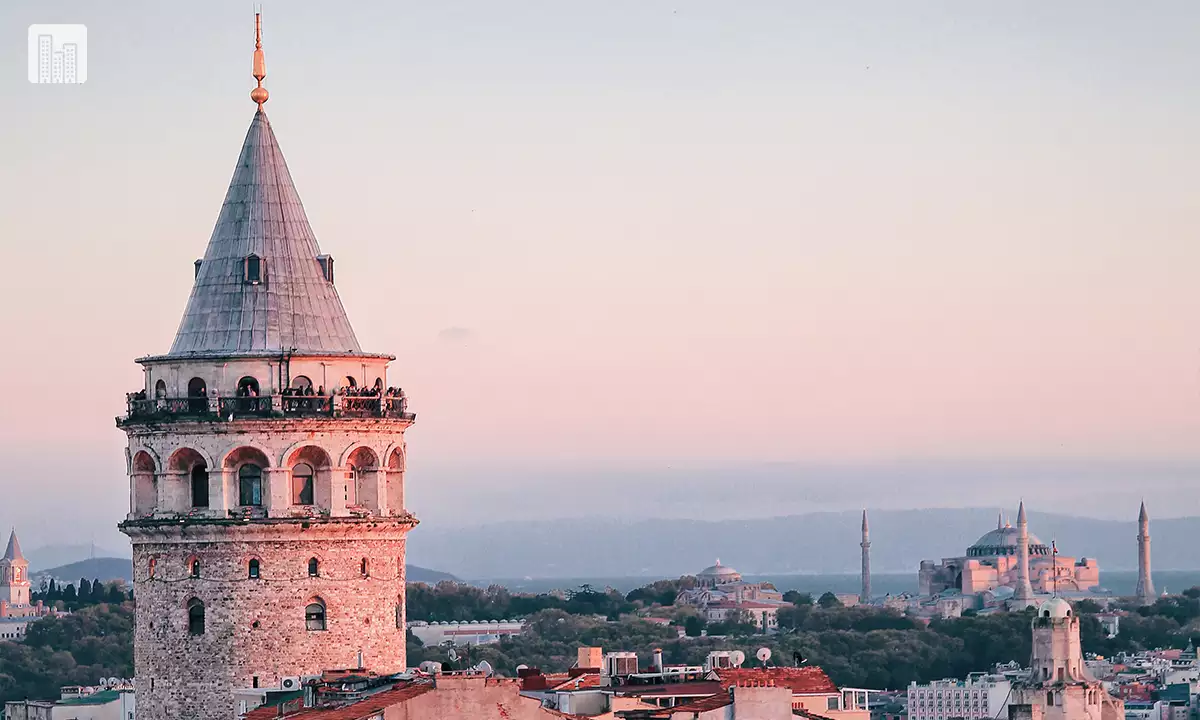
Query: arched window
250	485
200	486
378	383
195	610
198	392
314	615
253	569
349	381
314	567
194	568
152	568
247	387
302	484
364	569
301	382
160	389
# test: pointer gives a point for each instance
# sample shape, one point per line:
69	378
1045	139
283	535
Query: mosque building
721	592
993	563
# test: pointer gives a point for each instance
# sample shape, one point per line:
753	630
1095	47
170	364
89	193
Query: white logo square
58	54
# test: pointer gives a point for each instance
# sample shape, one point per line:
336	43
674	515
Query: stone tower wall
256	628
255	632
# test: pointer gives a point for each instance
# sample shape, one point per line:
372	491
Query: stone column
222	491
338	477
277	491
166	500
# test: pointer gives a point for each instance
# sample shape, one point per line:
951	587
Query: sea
1115	582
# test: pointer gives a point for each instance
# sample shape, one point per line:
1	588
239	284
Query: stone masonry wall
255	628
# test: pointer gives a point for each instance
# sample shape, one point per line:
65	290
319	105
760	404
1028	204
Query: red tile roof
809	680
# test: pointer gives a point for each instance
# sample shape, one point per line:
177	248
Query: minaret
1024	591
266	510
865	595
1145	585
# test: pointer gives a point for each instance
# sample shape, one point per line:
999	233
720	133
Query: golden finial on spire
259	94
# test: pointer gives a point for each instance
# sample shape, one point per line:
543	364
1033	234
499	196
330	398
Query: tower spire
259	94
865	595
1024	591
1145	585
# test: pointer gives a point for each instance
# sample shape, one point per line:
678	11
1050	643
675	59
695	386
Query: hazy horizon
694	259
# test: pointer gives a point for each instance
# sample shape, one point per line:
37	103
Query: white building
475	632
979	696
113	701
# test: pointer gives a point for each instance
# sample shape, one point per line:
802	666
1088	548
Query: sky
724	258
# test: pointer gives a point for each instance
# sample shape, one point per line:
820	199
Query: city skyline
697	246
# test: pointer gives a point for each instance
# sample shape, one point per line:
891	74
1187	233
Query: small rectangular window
255	267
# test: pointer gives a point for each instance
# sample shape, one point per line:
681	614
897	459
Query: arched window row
314	615
253	569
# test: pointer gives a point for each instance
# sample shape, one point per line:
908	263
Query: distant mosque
994	563
1006	567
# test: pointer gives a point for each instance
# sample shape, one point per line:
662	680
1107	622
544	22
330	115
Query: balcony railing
142	409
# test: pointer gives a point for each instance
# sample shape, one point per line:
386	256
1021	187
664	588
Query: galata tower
266	468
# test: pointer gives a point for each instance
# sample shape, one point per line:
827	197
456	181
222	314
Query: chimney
657	662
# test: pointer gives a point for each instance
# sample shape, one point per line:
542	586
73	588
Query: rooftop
263	284
808	680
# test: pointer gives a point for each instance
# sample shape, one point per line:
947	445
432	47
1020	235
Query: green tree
829	600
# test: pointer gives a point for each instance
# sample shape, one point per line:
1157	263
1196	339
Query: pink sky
635	236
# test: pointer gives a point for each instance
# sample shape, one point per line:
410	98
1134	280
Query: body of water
1118	582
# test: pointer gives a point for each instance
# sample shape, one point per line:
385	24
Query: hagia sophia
991	563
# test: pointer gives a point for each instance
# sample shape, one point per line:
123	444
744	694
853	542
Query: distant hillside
813	543
104	569
108	568
419	574
53	556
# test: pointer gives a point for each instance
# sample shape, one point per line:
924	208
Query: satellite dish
522	666
763	655
738	657
431	667
484	667
453	655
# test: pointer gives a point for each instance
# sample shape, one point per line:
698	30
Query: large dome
719	573
1004	541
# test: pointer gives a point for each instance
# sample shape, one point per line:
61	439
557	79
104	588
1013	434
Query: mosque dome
1004	541
1055	608
719	573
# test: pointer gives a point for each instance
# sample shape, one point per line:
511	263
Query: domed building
718	574
721	593
992	562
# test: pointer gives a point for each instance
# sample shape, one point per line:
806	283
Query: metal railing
142	409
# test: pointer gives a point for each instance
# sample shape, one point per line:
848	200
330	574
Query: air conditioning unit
290	683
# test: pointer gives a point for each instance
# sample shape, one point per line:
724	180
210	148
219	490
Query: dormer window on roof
326	266
255	270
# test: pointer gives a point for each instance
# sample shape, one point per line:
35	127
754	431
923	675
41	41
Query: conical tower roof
14	548
292	306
